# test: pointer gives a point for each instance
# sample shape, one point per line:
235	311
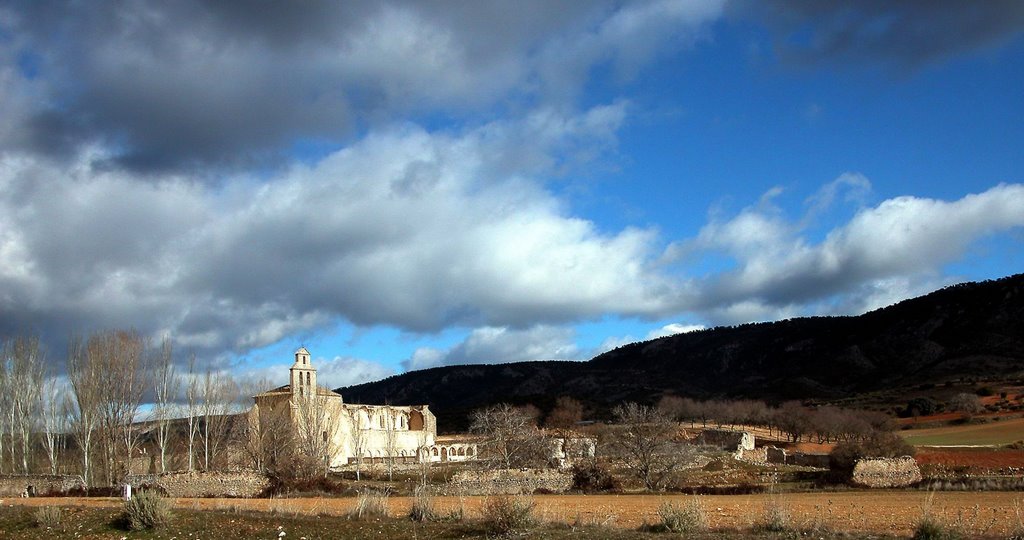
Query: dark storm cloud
903	34
193	84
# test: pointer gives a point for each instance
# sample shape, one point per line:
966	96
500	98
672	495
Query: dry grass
369	505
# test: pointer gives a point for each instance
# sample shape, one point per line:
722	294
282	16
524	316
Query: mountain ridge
966	331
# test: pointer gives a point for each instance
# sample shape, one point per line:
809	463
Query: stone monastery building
376	432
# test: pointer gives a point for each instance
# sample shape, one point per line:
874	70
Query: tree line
118	390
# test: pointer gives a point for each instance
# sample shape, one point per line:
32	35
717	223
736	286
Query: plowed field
893	512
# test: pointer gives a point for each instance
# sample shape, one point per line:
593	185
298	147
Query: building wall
378	426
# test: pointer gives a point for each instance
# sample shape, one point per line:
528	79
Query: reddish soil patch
892	512
970	457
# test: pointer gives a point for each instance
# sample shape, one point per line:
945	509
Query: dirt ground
893	512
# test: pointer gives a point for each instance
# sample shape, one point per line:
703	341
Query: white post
127	492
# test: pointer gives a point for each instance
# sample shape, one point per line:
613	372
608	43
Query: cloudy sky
400	185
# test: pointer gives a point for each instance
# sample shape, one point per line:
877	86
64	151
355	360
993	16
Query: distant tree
566	413
966	403
793	419
879	444
510	435
645	438
56	414
921	406
193	408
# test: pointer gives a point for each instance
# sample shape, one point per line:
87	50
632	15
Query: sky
402	185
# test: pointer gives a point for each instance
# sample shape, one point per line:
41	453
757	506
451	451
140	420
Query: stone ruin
732	441
885	472
243	483
509	482
33	485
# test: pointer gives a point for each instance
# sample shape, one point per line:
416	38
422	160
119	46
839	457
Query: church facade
342	432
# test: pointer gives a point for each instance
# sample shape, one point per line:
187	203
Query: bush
370	504
592	477
775	516
48	517
930	529
879	444
146	510
422	506
504	514
688	518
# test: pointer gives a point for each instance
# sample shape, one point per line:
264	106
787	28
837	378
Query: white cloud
673	329
882	253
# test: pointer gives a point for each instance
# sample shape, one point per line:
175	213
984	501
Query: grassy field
993	433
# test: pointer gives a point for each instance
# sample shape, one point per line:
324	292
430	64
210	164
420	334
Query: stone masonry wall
204	484
886	472
17	485
726	439
511	482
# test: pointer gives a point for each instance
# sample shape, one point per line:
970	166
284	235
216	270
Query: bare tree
87	379
357	439
646	438
193	393
390	439
510	435
165	388
121	357
270	439
565	414
316	429
6	409
219	395
55	411
25	378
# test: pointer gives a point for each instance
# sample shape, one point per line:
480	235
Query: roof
302	350
287	390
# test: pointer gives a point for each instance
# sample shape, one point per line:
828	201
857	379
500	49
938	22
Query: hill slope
972	330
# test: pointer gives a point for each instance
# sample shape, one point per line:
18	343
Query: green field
993	433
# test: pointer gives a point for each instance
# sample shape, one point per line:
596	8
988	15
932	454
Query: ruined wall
799	459
726	439
204	484
775	455
17	485
510	482
885	472
757	455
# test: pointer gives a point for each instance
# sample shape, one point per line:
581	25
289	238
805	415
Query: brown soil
985	459
892	512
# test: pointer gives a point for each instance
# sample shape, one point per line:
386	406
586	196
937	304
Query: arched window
434	451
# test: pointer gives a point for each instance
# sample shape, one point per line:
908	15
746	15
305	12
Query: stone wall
757	455
775	455
19	485
885	472
799	459
726	439
204	484
511	482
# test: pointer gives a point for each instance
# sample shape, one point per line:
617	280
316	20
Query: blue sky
397	185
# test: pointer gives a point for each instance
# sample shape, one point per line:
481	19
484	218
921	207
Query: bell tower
303	374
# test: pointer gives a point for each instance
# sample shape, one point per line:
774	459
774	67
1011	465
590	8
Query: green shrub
688	518
503	514
931	529
146	510
370	504
48	517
